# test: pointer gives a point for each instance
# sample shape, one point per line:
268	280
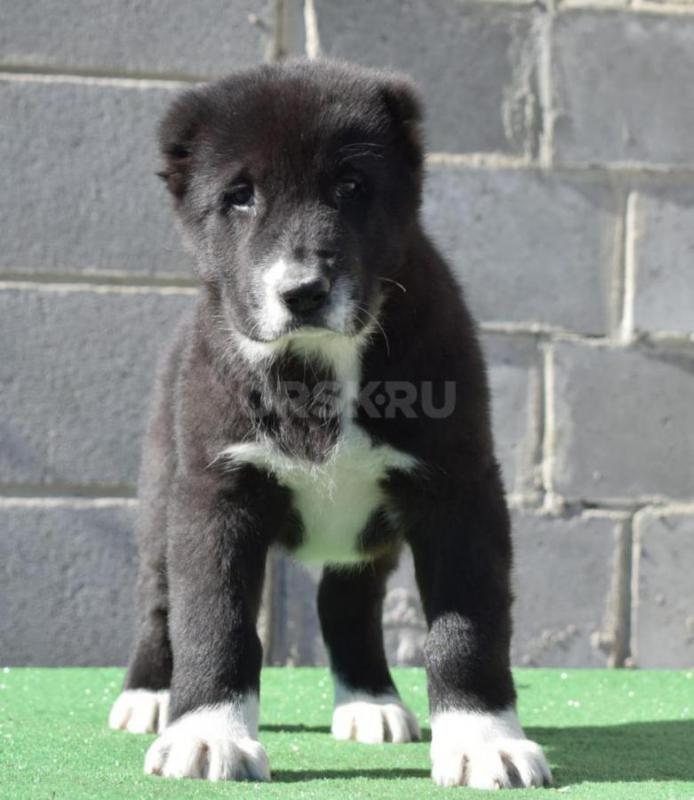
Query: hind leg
367	705
143	705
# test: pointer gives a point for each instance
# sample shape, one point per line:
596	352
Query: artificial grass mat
613	734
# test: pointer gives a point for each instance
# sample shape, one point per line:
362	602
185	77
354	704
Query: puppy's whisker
402	288
374	319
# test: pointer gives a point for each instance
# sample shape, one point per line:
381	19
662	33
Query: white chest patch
334	498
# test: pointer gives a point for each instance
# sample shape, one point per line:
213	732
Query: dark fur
205	530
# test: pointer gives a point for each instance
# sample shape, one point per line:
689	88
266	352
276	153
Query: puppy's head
297	185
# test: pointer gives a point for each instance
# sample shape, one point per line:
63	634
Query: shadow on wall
637	752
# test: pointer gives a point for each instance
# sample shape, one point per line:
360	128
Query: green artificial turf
607	735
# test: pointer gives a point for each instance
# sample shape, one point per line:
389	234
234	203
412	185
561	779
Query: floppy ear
178	133
404	107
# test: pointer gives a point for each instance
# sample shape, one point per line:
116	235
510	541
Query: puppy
328	396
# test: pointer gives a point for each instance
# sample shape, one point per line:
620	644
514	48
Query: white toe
155	758
485	769
140	711
186	758
397	724
530	762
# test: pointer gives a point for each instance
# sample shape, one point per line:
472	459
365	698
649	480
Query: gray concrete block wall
561	186
663	617
623	422
476	64
622	86
67	580
529	246
159	37
94	199
663	259
75	382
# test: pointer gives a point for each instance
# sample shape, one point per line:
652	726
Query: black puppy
329	396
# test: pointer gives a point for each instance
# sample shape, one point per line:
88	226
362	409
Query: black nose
307	296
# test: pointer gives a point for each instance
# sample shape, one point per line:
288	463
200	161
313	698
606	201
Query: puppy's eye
239	196
348	188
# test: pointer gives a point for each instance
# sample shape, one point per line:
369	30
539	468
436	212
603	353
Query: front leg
462	553
216	560
367	705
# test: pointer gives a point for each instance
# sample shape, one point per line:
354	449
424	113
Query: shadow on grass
633	752
295	728
290	776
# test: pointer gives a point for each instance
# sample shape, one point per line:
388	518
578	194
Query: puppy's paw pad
140	711
485	751
213	744
375	719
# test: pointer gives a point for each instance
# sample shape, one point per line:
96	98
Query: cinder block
623	88
296	638
515	381
528	246
475	63
81	161
404	626
205	38
623	419
563	583
75	372
66	593
296	635
664	261
663	630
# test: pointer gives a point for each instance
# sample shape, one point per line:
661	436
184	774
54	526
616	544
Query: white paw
140	711
218	743
373	719
485	751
